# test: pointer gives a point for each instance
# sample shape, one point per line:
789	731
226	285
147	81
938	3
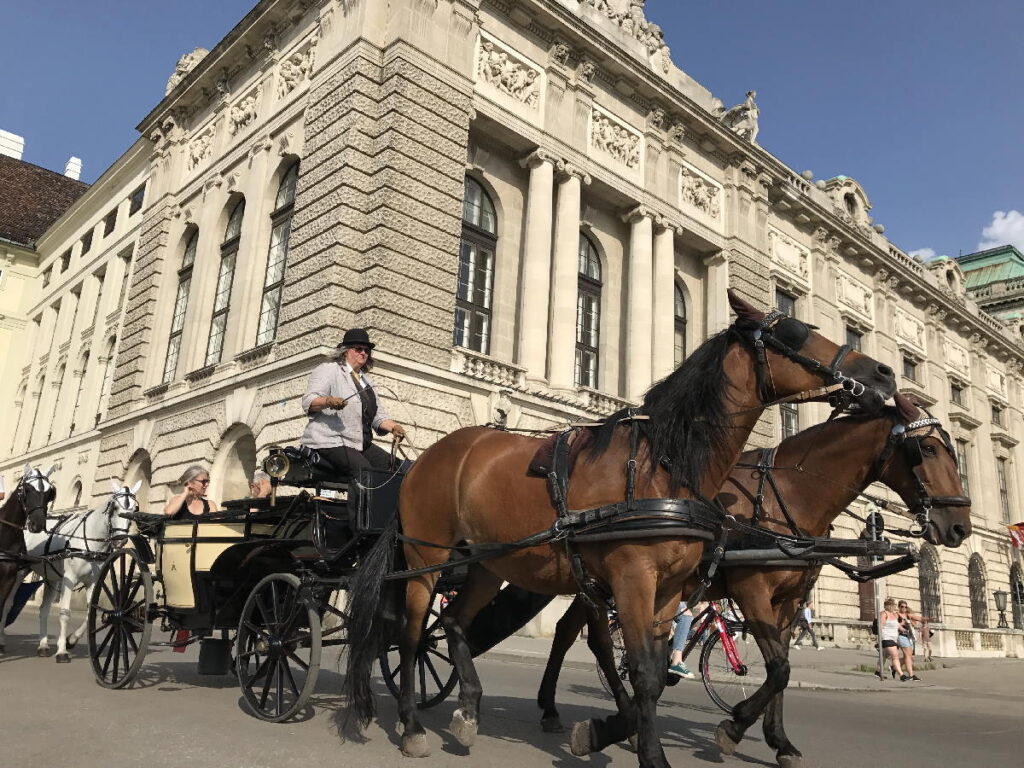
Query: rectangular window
854	339
86	242
785	303
997	415
473	296
961	460
790	419
136	200
109	222
956	393
1004	490
909	368
221	304
588	313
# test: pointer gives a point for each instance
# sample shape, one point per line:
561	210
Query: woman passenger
192	500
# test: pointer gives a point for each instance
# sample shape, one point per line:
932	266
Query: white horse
89	533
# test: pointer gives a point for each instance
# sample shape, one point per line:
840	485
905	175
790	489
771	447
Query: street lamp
1000	595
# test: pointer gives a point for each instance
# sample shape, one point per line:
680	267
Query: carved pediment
502	70
849	200
908	329
855	297
957	358
789	256
612	138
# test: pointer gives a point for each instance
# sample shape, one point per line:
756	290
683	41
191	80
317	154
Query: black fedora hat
357	337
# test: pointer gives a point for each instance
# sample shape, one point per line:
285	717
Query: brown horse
473	486
818	473
24	508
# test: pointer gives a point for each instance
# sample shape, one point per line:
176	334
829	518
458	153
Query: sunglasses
362	350
202	482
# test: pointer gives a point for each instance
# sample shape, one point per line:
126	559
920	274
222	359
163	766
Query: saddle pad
543	460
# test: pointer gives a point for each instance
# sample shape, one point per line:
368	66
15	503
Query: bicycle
731	666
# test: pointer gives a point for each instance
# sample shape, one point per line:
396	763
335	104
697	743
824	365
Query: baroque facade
535	213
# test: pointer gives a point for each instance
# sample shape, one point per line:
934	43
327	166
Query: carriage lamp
1000	595
276	465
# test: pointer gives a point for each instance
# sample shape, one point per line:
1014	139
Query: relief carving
199	149
855	295
295	70
244	112
614	139
957	358
909	328
788	254
996	380
699	192
185	65
629	16
508	74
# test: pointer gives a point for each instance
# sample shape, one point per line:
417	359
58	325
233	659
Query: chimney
11	145
73	168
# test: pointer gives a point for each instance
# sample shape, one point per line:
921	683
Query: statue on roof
185	65
743	118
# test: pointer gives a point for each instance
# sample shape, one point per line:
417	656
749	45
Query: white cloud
924	254
1007	228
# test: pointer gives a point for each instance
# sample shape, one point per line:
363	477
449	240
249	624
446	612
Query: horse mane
687	419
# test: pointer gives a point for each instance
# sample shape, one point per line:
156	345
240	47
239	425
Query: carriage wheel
277	650
119	625
724	686
435	671
621	667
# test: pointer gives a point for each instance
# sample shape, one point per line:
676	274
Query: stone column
533	306
638	312
663	303
564	278
718	318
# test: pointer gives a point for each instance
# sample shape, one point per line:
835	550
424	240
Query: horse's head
36	492
921	467
122	500
791	358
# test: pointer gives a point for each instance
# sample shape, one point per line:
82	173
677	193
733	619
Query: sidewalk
832	669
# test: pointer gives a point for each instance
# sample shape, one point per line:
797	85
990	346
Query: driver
343	409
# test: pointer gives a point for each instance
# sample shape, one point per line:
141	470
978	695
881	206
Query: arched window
679	311
188	259
1017	596
929	584
476	270
80	380
225	277
108	375
76	493
281	227
851	204
976	584
233	464
38	395
58	385
588	313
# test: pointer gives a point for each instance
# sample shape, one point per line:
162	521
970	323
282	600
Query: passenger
192	500
344	411
259	486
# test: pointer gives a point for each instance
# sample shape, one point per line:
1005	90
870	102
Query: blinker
791	332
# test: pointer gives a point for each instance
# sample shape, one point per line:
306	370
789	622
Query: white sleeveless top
890	629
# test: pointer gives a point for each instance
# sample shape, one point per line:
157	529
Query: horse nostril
886	371
960	532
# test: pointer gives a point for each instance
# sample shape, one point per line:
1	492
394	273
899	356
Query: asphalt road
54	714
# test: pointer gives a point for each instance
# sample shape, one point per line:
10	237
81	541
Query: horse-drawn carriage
255	584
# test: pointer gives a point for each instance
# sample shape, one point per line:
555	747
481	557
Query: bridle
20	493
908	437
770	332
125	499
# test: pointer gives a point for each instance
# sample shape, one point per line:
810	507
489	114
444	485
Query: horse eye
930	450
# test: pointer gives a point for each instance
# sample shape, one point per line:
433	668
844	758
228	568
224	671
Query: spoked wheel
119	627
621	668
725	687
435	672
277	651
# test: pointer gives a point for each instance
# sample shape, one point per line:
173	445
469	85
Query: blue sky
919	100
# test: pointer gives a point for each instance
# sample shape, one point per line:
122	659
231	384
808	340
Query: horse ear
114	486
135	488
28	468
908	410
744	309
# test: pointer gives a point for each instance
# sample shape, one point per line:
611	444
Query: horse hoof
724	740
790	761
42	653
552	724
71	643
579	740
63	658
463	728
415	745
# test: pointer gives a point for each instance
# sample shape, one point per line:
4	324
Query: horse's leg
418	594
49	592
771	628
479	589
64	612
566	631
8	579
596	734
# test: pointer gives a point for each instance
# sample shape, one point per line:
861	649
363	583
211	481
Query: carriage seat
305	469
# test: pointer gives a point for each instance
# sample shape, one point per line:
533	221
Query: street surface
54	714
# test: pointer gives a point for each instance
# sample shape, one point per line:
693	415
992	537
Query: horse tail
368	626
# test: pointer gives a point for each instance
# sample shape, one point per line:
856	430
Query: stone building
535	213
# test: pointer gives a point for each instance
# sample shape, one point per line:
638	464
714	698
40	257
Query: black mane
687	421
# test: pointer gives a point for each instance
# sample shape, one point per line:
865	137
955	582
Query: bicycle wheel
725	687
621	668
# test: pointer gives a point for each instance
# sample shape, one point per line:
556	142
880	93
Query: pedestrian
680	634
805	623
906	638
888	634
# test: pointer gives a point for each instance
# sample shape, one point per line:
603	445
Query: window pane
224	279
680	304
467	265
190	251
216	343
172	358
785	303
269	311
234	227
477	208
286	192
180	304
483	278
278	252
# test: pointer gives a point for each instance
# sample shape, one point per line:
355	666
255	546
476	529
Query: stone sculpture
743	118
629	16
294	70
615	140
185	65
199	149
244	112
700	193
510	76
